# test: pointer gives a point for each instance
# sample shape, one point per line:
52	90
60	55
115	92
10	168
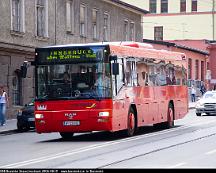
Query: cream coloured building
178	19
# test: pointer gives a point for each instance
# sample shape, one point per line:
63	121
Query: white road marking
96	146
178	165
211	152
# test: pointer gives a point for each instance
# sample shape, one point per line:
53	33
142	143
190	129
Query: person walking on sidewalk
3	105
193	94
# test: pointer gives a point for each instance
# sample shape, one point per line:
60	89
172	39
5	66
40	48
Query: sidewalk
11	124
9	127
192	105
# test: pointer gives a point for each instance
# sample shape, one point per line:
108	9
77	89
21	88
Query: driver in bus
66	84
66	78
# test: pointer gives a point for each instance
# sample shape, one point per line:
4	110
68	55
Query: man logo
70	115
42	107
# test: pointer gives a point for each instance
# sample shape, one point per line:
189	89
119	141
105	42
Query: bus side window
130	71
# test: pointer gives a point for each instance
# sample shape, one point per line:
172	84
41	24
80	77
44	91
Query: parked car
206	104
25	117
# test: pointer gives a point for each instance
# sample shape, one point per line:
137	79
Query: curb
7	132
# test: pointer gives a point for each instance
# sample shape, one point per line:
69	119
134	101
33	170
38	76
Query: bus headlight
39	116
103	114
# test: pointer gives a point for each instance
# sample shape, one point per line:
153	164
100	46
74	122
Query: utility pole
55	39
213	19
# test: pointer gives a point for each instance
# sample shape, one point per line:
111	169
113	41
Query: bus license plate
71	123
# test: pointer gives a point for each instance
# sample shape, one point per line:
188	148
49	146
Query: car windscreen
209	95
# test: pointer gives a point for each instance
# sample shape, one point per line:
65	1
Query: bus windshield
73	81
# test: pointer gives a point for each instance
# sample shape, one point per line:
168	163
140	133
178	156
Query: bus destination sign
70	54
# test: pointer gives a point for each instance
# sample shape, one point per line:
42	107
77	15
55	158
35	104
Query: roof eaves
159	42
118	2
192	49
176	45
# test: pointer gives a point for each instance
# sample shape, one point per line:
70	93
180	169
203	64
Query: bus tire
66	135
170	116
131	123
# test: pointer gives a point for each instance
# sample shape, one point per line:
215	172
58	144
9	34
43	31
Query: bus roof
122	43
132	49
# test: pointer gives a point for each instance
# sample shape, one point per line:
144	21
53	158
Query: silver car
206	104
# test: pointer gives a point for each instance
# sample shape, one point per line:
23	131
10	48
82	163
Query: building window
126	28
17	89
202	70
158	33
207	65
164	6
95	24
197	69
132	31
194	5
106	27
183	6
17	13
83	20
152	6
70	16
189	68
42	18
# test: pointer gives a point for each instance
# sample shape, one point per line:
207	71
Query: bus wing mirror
115	68
33	63
23	69
113	57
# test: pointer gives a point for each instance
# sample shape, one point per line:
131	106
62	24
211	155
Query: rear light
39	116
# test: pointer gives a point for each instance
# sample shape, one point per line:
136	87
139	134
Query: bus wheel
131	123
170	116
66	135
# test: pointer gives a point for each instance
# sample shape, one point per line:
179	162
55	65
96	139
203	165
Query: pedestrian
193	94
202	89
3	105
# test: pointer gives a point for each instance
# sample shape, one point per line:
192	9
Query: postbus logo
70	115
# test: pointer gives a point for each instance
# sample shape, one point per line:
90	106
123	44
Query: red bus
108	87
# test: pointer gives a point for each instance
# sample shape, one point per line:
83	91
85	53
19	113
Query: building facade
27	24
178	19
189	23
212	76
